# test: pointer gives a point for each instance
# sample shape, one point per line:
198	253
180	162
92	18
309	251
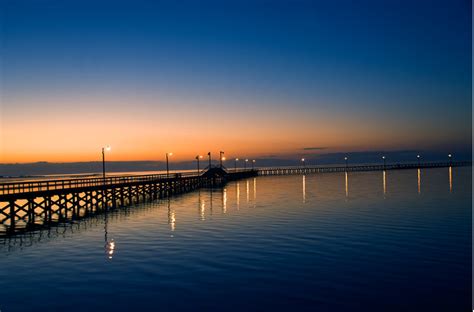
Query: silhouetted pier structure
355	168
27	205
31	204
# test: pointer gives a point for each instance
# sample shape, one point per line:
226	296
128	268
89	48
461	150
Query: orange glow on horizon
57	134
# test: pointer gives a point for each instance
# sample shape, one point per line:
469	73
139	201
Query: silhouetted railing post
103	164
167	165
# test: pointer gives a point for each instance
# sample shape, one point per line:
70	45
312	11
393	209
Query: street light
221	158
235	164
209	156
253	164
302	160
197	158
383	157
167	164
104	149
345	159
450	159
245	164
418	157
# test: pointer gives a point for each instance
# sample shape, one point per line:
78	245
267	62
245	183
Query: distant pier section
355	168
31	204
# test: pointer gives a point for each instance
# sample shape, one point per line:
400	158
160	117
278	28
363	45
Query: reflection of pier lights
238	194
347	183
304	188
450	179
110	249
202	207
109	245
254	188
171	217
450	157
419	181
224	200
384	182
248	191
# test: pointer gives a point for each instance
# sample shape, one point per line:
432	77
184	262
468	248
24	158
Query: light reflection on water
237	191
304	188
325	241
347	183
384	175
450	179
419	180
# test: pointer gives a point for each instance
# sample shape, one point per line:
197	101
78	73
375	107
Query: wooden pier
31	204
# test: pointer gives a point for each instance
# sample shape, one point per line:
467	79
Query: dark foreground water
399	241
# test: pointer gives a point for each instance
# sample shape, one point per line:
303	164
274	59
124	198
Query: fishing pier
27	205
30	204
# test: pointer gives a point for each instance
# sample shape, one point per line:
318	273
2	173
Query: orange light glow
56	134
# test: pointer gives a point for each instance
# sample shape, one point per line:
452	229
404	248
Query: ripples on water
325	242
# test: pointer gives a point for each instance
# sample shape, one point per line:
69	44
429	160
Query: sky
251	78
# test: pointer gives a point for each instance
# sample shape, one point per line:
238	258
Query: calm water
329	242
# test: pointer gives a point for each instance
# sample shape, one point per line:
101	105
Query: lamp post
450	156
167	164
383	157
235	164
104	149
221	158
253	164
245	164
345	159
197	158
418	157
302	161
209	156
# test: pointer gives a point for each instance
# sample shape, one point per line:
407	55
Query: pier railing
353	168
60	184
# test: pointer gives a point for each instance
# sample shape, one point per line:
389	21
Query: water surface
399	240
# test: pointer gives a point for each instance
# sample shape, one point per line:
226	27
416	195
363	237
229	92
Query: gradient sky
248	77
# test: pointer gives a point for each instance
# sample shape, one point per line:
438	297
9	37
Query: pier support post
12	216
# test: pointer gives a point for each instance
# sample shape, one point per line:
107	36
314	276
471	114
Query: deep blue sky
393	74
